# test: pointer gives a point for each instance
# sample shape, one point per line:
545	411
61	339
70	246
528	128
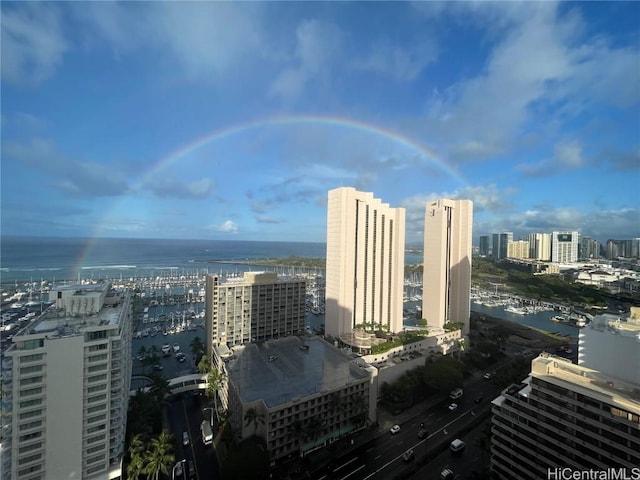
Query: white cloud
32	43
317	50
228	227
403	64
567	156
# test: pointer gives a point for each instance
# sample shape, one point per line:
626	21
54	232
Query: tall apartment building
518	249
365	263
447	262
500	242
564	247
258	306
565	416
66	394
484	246
589	248
540	246
623	248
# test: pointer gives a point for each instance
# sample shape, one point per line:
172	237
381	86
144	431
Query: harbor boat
516	310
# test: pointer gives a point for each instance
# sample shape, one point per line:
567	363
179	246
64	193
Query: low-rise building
298	393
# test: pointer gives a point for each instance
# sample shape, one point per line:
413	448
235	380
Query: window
95	409
97	428
31	403
30	436
100	334
98	358
31	344
95	348
32	369
34	413
30	448
30	458
97	388
28	425
30	391
97	368
31	358
97	378
30	381
97	418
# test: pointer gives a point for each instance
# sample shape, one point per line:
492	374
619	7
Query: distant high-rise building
258	306
540	246
500	242
589	248
365	263
564	247
69	380
565	418
623	248
447	262
518	250
484	246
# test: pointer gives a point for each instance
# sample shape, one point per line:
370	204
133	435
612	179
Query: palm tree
314	428
297	430
215	380
159	388
160	456
197	348
204	366
136	461
252	416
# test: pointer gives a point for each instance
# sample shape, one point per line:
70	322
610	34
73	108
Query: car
478	398
408	455
192	470
422	433
178	469
166	348
488	376
176	347
453	407
185	438
457	445
395	429
157	366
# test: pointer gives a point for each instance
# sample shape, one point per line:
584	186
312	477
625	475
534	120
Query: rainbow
301	120
330	121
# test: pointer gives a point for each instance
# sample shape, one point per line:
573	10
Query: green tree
160	456
197	347
204	365
215	380
160	389
252	416
137	458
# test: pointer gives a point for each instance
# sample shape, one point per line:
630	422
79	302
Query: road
381	457
185	415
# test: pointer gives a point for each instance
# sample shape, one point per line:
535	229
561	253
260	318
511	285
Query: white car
453	407
395	429
176	347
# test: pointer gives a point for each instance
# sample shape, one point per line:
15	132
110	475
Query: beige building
298	393
565	416
540	246
365	264
258	306
66	388
518	249
447	263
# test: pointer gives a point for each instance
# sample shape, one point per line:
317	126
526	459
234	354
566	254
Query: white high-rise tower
447	263
365	263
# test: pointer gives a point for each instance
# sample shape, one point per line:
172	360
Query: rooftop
282	370
627	394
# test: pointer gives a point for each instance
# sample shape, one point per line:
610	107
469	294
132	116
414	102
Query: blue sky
233	120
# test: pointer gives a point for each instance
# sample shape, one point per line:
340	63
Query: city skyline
233	120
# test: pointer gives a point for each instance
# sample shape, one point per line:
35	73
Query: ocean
30	259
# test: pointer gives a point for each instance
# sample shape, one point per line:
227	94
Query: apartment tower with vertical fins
365	263
447	263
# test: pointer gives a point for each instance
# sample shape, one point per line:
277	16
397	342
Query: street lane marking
356	470
345	464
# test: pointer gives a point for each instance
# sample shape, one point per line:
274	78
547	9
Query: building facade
298	393
500	242
589	248
540	246
365	264
483	249
564	247
446	291
65	396
518	249
259	306
564	416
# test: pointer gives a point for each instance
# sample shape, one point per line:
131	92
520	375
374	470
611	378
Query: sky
233	120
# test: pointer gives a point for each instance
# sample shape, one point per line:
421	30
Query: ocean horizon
39	258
